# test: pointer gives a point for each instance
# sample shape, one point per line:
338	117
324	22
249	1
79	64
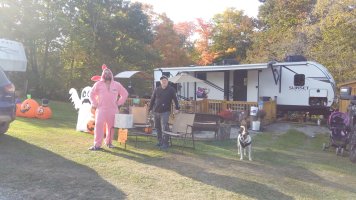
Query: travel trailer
12	56
295	86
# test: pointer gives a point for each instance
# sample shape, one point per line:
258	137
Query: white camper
12	56
296	86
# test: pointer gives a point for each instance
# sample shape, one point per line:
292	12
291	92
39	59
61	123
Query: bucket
123	121
253	111
256	125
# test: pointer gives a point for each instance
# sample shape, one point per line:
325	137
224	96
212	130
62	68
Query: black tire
352	154
337	151
4	127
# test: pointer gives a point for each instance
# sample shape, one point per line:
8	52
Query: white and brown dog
244	142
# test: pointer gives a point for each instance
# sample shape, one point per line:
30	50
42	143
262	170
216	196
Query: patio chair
181	128
142	125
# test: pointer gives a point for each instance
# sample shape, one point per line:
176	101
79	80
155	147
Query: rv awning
12	56
129	74
216	68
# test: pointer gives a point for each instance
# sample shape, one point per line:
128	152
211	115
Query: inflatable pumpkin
29	108
44	112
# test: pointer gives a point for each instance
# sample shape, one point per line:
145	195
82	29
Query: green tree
67	41
231	34
332	37
280	30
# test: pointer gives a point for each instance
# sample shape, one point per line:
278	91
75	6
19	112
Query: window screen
299	80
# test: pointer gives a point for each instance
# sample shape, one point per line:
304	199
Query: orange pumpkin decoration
148	130
91	126
18	110
29	108
44	112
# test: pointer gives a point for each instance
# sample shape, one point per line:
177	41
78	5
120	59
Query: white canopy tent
137	76
185	78
129	74
12	56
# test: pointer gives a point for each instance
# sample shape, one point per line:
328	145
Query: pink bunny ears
97	78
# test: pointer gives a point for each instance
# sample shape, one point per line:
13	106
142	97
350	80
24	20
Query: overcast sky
188	10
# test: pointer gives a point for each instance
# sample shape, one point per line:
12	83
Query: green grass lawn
48	159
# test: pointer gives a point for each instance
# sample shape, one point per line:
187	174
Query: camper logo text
298	88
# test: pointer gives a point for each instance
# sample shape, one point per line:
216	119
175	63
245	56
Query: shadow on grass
287	165
236	185
29	172
288	160
274	163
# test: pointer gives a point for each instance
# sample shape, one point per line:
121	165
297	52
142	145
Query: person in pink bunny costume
105	102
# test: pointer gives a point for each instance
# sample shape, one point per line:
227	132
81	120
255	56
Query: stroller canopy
339	118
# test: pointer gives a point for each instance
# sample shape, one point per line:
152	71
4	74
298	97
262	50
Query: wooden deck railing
216	106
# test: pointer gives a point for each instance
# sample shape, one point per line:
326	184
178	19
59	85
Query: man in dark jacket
161	102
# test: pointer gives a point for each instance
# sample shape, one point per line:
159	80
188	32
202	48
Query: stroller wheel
342	152
353	153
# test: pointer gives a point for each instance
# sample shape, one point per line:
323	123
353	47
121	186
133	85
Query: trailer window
299	80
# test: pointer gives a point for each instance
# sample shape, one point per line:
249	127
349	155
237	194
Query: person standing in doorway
160	104
105	102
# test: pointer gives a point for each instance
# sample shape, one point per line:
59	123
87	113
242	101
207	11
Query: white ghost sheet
82	104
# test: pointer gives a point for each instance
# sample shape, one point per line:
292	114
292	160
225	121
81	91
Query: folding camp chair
181	128
141	122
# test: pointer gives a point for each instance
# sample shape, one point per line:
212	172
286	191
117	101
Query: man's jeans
161	123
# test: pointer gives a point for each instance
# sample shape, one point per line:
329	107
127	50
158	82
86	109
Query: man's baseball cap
163	77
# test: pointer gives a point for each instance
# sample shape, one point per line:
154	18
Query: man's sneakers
110	146
94	148
164	147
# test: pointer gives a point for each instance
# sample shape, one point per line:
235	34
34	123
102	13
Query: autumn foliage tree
205	54
169	45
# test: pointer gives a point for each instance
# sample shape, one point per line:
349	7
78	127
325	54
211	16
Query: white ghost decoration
84	105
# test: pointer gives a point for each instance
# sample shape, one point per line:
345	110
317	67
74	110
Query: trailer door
240	85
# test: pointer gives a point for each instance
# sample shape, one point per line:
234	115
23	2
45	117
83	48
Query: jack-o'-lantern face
26	107
40	111
29	108
44	112
18	111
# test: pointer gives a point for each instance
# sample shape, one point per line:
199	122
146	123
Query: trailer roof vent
295	58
